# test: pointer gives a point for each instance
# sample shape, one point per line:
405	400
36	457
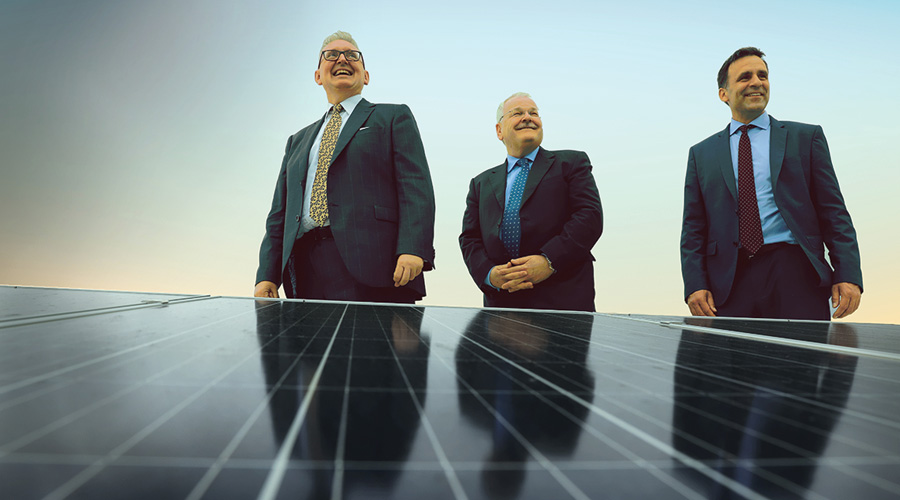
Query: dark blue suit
380	199
561	218
806	193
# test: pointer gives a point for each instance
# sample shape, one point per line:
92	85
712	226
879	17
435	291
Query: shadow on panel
506	363
759	414
361	411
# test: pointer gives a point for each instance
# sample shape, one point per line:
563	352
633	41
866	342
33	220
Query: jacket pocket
386	213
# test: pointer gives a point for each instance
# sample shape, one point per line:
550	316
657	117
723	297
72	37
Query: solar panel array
128	395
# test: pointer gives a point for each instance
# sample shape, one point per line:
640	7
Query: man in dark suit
530	222
761	202
353	213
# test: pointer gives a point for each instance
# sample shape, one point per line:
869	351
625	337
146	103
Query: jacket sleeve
573	244
694	230
270	251
470	242
835	225
415	193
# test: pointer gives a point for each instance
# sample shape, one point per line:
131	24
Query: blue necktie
511	228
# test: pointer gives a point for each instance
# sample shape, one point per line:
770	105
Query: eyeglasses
519	112
349	55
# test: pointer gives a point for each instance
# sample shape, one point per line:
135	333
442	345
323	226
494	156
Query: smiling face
520	127
342	78
746	90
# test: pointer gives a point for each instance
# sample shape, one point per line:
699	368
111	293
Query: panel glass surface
212	397
23	303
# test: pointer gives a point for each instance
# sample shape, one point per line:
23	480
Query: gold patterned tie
318	203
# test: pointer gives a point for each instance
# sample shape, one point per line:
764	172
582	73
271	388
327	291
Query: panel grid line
84	476
634	459
435	401
337	485
539	457
206	481
25	439
455	486
276	473
69	369
647	438
85	313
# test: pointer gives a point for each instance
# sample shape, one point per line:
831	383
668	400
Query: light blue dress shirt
774	228
512	173
348	105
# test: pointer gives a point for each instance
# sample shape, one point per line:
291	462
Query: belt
318	233
771	247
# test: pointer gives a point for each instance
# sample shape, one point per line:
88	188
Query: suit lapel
359	116
306	142
723	159
539	168
777	146
497	184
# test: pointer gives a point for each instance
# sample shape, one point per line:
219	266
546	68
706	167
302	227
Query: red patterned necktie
318	204
750	227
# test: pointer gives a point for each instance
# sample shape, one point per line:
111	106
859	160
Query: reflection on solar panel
124	395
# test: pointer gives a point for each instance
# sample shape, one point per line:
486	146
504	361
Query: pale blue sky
140	140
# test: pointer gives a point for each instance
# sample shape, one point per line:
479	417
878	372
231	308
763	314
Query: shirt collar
349	104
511	160
762	121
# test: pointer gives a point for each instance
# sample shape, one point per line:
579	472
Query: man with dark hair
353	213
722	77
761	203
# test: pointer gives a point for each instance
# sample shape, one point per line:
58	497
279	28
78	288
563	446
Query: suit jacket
561	218
806	193
380	198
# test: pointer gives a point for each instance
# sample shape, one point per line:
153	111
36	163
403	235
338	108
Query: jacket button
297	218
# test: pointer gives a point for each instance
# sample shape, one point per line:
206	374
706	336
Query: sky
140	141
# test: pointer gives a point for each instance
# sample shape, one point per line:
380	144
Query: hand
536	268
501	275
701	303
521	274
266	289
408	268
845	299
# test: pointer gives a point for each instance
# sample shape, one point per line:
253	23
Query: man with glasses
353	213
530	222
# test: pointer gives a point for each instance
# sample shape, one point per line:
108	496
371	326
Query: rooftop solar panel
138	395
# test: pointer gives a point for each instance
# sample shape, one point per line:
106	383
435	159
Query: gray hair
500	108
339	35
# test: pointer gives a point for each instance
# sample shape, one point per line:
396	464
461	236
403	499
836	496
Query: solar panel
139	395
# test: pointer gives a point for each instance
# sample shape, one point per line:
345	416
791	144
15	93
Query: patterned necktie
318	203
510	229
750	227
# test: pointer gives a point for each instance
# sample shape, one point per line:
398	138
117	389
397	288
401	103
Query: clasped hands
521	274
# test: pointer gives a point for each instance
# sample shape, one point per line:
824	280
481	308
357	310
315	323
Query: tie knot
745	128
525	163
338	108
